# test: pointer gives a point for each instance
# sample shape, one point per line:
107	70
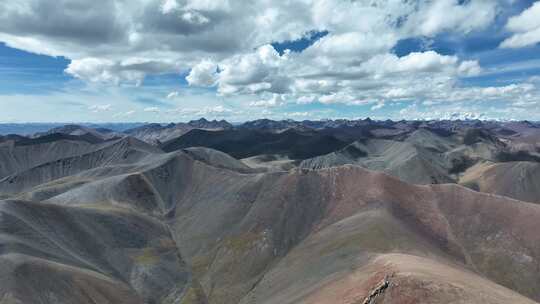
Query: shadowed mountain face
245	143
295	216
76	130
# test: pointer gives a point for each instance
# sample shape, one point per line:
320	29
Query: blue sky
172	60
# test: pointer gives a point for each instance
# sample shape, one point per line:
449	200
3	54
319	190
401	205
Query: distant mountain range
33	128
36	129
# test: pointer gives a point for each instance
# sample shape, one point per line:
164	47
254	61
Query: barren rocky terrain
272	212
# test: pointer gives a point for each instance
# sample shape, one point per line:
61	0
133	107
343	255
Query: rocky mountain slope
157	133
519	180
122	221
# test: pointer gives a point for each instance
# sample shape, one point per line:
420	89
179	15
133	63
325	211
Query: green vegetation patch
201	263
148	256
242	242
193	295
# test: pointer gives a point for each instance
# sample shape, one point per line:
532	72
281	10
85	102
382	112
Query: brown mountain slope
257	237
519	180
399	278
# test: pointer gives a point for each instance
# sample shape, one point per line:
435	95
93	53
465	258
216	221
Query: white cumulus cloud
525	28
229	48
203	74
100	108
173	95
152	110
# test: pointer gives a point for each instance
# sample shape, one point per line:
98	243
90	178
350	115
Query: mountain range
336	211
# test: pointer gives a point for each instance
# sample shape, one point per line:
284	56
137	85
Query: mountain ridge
126	221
